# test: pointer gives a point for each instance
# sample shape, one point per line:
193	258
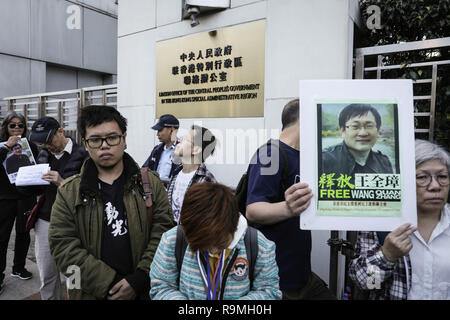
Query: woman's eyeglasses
424	179
13	125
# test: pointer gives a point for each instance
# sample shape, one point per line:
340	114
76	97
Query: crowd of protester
170	230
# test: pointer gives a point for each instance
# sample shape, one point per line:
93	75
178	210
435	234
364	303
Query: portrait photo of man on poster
358	157
19	156
366	137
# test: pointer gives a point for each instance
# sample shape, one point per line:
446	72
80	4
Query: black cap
44	129
166	121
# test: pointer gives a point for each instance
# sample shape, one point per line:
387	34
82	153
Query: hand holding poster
19	156
361	178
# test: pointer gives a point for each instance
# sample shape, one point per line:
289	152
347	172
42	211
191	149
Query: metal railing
62	105
380	52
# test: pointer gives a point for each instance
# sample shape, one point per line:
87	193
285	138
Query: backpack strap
180	249
251	246
148	196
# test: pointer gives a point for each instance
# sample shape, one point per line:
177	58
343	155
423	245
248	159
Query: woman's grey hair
426	150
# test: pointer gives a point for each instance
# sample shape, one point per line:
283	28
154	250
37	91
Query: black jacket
153	161
71	166
337	159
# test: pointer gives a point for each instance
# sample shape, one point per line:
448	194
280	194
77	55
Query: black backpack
242	187
251	246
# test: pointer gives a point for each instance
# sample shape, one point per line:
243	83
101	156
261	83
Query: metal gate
62	105
378	55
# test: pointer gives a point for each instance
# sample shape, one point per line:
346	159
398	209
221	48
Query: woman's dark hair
358	110
4	134
209	216
205	139
95	115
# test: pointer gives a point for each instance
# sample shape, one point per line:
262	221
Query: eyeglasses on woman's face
13	125
424	179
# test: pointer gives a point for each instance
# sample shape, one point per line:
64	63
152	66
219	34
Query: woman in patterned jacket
216	264
412	262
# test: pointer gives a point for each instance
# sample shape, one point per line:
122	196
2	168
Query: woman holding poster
13	205
411	262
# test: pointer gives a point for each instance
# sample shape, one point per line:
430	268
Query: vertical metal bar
379	65
433	101
40	112
359	67
334	251
25	114
58	112
105	99
80	105
81	99
11	104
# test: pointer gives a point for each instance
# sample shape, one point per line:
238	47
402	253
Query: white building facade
303	40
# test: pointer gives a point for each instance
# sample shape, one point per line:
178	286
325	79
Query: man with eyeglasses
65	158
100	224
359	126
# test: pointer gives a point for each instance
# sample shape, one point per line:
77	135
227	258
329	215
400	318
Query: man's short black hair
358	110
289	116
95	115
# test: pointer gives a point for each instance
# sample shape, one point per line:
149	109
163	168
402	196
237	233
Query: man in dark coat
160	159
65	157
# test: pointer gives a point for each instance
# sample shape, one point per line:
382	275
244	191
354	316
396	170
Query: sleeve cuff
385	262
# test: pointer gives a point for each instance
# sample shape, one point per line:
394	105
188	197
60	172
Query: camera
193	11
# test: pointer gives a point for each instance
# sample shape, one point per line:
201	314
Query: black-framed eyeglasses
97	142
367	127
424	179
13	125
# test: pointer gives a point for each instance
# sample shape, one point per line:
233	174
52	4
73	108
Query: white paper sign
358	157
32	175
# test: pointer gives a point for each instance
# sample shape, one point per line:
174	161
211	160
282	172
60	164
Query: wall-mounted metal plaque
216	74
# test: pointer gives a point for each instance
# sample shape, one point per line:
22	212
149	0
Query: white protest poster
32	175
19	156
357	154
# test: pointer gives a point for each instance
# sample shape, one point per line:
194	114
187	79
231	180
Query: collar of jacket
201	170
350	162
160	147
89	177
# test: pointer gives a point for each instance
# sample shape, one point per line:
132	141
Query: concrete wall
304	40
34	33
